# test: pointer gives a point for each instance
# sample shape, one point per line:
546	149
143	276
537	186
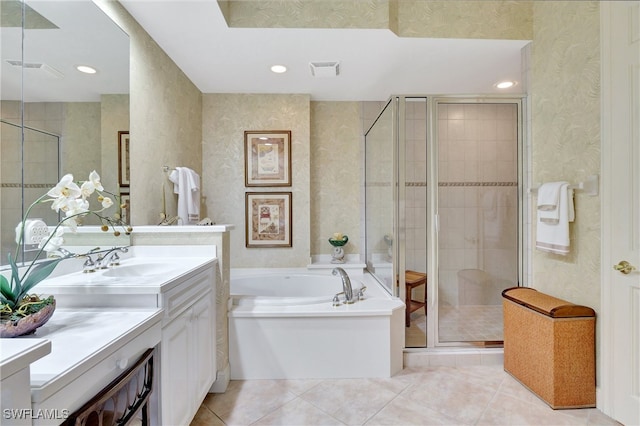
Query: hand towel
553	237
186	183
548	200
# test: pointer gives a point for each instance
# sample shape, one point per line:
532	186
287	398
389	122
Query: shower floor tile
470	323
466	323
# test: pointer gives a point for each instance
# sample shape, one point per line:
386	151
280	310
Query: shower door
477	210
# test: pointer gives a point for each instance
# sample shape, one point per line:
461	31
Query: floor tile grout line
495	395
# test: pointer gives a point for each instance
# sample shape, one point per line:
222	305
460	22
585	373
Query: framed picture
123	158
267	158
125	208
268	219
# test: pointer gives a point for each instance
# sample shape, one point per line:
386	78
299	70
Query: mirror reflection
71	119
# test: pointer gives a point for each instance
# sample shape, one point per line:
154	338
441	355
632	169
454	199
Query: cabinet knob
122	363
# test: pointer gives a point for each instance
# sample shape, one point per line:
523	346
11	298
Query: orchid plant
72	199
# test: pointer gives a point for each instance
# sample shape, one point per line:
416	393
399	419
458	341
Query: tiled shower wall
416	184
40	159
477	202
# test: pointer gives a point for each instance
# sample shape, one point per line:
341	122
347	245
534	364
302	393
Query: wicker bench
549	347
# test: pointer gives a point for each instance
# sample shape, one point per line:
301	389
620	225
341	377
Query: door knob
624	267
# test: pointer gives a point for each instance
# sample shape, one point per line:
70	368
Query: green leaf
16	287
39	273
5	290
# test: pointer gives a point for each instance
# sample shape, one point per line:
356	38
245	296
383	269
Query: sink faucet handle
115	260
336	300
361	291
89	265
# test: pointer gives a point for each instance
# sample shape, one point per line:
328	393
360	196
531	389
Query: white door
620	326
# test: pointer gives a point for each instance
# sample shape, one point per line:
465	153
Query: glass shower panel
415	211
478	217
379	201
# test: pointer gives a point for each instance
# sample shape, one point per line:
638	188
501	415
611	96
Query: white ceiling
82	34
374	64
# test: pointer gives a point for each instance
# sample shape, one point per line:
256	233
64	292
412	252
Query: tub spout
346	284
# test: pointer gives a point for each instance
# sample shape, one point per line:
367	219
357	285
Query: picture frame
123	159
267	156
268	219
125	212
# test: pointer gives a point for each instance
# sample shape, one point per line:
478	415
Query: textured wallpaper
510	20
225	118
335	175
407	18
565	97
166	120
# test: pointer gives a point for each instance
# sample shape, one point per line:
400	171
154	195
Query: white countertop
81	339
164	265
17	354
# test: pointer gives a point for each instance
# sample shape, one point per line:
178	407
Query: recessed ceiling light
86	69
279	69
505	84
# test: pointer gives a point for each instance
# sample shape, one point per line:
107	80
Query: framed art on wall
268	219
267	156
125	207
123	158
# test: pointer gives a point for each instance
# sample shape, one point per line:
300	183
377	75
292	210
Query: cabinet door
175	364
203	346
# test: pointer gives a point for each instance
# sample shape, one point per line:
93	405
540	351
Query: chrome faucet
346	284
110	257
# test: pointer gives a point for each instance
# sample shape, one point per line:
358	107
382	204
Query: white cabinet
187	352
188	356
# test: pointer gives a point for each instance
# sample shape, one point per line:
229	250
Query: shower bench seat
413	279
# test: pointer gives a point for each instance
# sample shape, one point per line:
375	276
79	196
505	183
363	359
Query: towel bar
589	186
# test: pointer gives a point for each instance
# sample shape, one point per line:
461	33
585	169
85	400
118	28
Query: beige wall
335	175
407	18
225	118
565	99
166	120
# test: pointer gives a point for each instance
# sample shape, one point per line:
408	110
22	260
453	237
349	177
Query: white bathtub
283	325
287	289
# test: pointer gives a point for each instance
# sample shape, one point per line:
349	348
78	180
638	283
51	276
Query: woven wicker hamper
549	347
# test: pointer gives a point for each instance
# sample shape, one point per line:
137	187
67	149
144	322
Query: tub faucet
346	284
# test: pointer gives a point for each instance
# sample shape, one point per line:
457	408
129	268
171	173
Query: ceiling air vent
325	69
37	66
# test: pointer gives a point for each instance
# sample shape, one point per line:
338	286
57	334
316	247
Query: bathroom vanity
73	356
176	282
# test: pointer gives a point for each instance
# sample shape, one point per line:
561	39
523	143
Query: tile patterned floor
474	395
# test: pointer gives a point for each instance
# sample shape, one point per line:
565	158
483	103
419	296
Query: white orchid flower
87	189
107	202
75	208
94	178
66	188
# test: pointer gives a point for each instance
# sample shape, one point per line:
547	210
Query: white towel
553	236
186	183
548	199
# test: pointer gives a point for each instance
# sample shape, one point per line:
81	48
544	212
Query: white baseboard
222	380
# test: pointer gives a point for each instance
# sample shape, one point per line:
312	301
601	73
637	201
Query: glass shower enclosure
442	198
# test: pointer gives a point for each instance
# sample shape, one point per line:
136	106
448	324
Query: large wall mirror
56	119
